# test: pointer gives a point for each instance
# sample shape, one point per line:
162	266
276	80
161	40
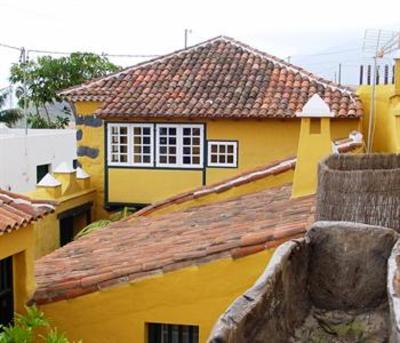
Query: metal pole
372	108
340	74
186	38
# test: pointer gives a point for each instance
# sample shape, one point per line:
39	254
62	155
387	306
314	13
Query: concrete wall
20	154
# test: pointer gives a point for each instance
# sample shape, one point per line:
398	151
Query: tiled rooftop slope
219	78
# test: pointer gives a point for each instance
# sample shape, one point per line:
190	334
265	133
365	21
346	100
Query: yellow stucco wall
20	244
47	230
312	147
94	138
387	128
260	142
192	296
139	185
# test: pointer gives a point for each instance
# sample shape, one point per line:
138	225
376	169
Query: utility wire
10	47
68	53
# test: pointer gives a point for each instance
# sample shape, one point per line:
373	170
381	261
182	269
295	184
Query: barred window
168	333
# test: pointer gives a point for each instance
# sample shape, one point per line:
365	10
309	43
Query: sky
317	35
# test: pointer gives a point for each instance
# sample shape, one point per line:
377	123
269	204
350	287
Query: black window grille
171	333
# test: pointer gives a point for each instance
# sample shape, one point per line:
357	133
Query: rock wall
274	306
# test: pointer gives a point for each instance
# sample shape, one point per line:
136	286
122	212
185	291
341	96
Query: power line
9	46
50	52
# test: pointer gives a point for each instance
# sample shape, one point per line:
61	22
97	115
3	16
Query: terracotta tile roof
17	211
126	251
354	141
219	78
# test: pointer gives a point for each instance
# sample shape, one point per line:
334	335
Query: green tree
9	116
45	77
29	328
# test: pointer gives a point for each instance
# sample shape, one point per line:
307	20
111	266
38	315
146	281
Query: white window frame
152	145
130	162
179	146
110	144
226	164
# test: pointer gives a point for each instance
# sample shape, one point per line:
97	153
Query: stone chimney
315	143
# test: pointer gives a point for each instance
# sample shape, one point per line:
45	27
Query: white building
26	158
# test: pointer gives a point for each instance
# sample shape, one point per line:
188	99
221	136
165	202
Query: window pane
142	144
186	131
196	131
222	154
167	145
118	145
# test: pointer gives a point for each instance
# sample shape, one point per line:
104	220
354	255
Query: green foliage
45	77
92	227
104	222
8	116
26	329
36	121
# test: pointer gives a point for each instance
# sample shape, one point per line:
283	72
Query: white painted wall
20	154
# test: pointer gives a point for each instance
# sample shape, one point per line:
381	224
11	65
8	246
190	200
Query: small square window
222	154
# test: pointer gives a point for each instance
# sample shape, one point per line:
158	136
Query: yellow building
193	118
172	268
386	114
75	197
17	241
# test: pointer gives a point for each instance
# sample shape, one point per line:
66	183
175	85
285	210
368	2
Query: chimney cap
81	173
63	168
315	107
49	181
